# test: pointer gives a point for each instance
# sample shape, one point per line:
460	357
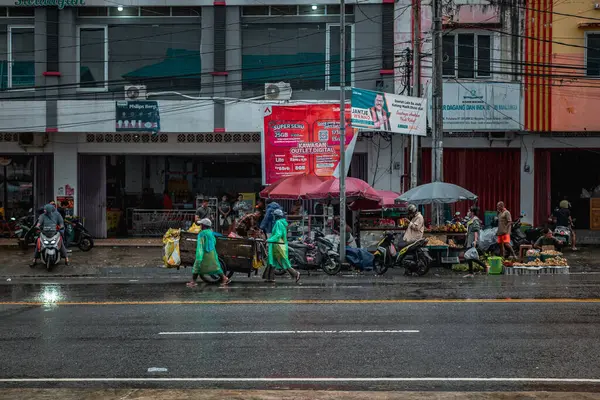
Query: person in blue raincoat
278	249
207	259
268	221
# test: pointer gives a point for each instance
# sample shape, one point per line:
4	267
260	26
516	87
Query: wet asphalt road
282	337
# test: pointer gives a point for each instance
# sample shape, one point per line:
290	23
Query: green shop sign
47	3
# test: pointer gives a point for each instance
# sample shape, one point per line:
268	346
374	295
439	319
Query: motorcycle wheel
280	272
331	266
23	245
86	244
214	278
422	267
49	265
379	266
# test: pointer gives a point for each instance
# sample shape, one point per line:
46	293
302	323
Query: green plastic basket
495	265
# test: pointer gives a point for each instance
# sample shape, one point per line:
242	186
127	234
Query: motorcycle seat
298	245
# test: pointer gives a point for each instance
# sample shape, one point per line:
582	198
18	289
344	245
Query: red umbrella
388	200
355	189
292	187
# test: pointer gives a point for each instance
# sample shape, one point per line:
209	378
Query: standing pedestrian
473	229
278	249
207	259
504	229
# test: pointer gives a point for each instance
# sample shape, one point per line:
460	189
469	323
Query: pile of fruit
403	223
434	241
452	244
553	262
451	228
551	253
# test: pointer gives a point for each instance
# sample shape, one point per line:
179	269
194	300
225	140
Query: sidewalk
113	242
198	394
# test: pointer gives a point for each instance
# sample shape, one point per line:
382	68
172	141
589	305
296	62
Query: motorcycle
488	240
49	247
563	233
25	232
414	258
314	254
78	235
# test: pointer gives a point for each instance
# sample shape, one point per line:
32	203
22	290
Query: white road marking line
159	379
285	332
157	369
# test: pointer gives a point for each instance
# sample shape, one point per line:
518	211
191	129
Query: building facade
207	64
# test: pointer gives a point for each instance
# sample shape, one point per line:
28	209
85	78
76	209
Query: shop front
25	183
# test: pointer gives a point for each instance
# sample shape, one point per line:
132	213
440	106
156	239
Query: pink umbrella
292	187
355	189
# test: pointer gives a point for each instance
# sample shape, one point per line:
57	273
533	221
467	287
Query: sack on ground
471	254
172	256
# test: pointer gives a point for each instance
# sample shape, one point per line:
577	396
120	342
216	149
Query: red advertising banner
302	139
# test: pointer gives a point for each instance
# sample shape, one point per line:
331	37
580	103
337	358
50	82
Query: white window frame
78	59
585	54
9	57
475	54
328	86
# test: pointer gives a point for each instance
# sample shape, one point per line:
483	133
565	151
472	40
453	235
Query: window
155	11
332	66
92	11
333	9
592	56
92	45
251	11
312	10
21	12
284	10
186	11
125	11
20	58
162	57
467	55
293	53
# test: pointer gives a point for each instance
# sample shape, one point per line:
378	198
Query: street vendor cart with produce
243	255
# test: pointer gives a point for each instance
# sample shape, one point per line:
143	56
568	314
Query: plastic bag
194	228
471	254
487	238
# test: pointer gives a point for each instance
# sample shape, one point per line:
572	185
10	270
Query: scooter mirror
13	219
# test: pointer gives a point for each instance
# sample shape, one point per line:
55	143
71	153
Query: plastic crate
495	265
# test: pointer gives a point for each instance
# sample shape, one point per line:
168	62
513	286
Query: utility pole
437	132
342	131
416	87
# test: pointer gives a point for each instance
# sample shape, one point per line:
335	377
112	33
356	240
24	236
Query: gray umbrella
436	192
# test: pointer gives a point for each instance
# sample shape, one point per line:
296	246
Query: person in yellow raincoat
207	259
278	249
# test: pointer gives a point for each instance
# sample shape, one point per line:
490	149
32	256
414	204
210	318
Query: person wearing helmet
207	259
50	222
416	227
278	249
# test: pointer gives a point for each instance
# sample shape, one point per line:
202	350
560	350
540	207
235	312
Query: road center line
304	380
288	332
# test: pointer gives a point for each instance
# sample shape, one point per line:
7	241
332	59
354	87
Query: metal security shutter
92	193
387	36
52	39
220	32
359	167
44	180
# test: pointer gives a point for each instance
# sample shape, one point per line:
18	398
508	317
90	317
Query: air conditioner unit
501	136
32	139
135	92
278	91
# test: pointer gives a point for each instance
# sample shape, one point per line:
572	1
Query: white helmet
412	208
205	222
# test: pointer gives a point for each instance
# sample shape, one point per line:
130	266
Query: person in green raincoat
278	249
207	259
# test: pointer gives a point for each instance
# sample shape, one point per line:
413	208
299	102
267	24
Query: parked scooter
25	232
315	254
489	244
563	233
78	235
414	258
49	247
